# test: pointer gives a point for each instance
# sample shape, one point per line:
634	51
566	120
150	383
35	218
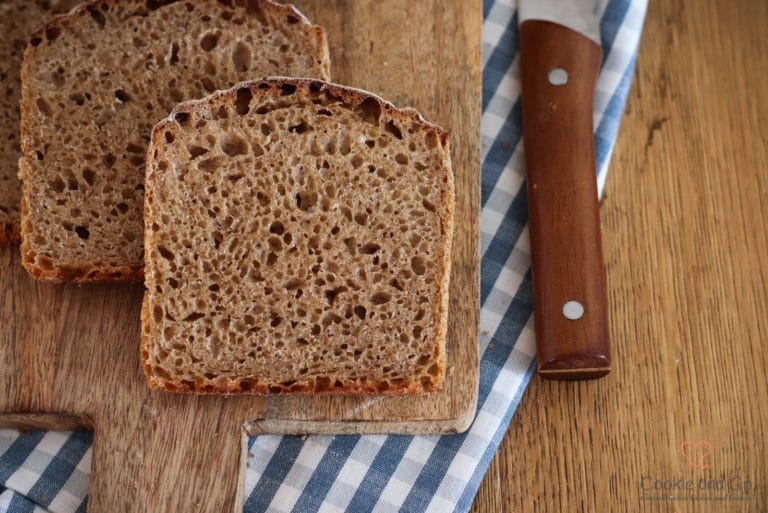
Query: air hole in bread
351	244
97	15
288	89
78	98
208	84
194	316
57	184
380	298
209	41
122	96
243	100
275	244
361	218
356	161
299	128
89	175
196	151
393	129
182	118
157	313
277	228
263	199
418	266
241	57
166	253
305	200
346	145
294	283
174	59
331	294
109	160
234	145
401	159
82	232
209	165
153	5
370	110
44	107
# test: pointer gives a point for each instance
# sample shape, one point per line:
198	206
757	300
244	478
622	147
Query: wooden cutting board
69	355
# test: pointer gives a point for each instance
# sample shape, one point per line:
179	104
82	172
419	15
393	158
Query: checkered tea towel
412	474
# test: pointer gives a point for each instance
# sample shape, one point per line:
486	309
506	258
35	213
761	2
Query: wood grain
566	250
685	233
73	350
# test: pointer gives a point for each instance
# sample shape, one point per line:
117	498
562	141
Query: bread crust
95	272
354	97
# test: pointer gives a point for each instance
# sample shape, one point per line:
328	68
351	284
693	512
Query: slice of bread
95	82
298	239
18	18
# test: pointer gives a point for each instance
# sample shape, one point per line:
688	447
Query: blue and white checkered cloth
410	474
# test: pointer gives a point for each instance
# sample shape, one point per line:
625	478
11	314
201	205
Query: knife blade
560	59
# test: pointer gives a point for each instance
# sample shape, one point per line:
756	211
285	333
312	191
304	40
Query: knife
560	58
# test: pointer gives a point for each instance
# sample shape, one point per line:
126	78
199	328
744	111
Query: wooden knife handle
559	69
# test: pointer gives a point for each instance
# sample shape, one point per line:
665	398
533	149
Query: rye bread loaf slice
18	18
298	239
95	82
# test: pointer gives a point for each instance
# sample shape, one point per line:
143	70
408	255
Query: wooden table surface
685	234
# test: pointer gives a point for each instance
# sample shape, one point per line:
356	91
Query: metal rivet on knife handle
573	310
558	77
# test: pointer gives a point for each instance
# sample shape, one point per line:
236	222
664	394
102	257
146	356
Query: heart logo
696	452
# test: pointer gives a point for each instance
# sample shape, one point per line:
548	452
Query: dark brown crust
84	273
353	97
309	86
94	272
